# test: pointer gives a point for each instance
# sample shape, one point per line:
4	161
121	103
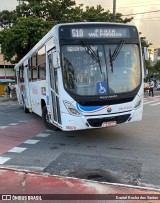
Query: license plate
109	124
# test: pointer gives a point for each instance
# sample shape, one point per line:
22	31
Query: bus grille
97	122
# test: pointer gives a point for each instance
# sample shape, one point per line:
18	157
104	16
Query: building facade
6	69
156	54
7	73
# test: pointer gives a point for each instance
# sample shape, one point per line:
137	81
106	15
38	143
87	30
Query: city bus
83	76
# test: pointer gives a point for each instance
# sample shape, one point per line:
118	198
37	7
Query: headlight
71	109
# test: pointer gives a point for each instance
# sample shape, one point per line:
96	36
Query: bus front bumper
89	122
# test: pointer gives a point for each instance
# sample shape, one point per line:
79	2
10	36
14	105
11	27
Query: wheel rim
47	118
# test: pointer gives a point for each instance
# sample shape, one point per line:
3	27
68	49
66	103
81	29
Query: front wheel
45	119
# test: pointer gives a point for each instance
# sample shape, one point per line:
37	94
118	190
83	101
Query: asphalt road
126	154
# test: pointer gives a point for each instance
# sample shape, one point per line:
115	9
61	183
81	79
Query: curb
26	185
3	99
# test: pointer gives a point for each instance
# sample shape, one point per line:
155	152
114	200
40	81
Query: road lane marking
23	121
155	104
3	127
42	135
149	102
4	159
17	149
13	123
31	141
11	136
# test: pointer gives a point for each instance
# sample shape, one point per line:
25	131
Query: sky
147	23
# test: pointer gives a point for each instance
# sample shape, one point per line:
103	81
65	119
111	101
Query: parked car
146	86
158	85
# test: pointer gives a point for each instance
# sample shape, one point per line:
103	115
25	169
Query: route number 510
77	33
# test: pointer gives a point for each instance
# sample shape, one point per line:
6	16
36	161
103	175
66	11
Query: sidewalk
156	93
4	99
24	185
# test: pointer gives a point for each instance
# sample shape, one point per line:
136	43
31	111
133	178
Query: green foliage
7	18
47	9
144	43
21	37
156	69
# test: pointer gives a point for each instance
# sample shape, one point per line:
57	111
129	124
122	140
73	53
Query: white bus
83	76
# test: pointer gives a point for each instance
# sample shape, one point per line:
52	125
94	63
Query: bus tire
26	110
45	120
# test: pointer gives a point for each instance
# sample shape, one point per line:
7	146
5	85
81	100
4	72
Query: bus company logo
125	108
109	109
6	197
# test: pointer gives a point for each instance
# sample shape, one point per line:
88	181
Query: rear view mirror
56	60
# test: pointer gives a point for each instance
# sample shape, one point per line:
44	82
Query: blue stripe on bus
88	108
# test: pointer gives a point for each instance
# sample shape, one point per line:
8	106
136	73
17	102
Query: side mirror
56	60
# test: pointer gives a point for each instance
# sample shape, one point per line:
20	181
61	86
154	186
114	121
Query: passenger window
34	68
21	71
29	69
34	60
34	74
41	63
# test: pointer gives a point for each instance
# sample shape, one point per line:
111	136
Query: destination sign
100	33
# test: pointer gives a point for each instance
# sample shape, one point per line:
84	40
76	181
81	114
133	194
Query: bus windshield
91	70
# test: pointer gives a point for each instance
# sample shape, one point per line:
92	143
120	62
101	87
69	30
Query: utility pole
4	66
114	10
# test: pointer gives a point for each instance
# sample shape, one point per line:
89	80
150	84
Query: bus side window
34	69
34	73
42	72
34	60
29	69
41	63
21	71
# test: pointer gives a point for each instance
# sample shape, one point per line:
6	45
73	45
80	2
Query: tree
46	9
93	14
156	69
144	42
7	18
20	38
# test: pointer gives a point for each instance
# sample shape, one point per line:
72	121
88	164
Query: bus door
26	85
18	91
54	91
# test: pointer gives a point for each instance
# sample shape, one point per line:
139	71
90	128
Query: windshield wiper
92	53
113	56
111	60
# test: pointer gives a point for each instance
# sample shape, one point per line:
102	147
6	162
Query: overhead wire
140	6
142	13
157	17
